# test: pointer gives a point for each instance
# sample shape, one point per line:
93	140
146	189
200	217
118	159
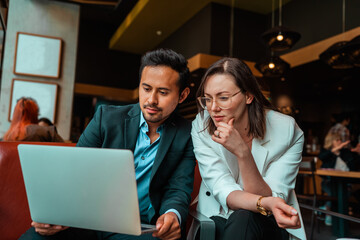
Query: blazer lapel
259	153
230	160
165	142
132	127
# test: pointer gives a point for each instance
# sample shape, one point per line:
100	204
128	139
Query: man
162	146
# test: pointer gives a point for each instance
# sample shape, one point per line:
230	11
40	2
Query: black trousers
248	225
83	234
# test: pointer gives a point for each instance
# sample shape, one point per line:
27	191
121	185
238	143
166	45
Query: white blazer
277	158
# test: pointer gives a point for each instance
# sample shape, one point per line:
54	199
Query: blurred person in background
45	122
342	121
335	155
24	124
341	128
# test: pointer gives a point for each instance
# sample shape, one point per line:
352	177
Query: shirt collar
144	126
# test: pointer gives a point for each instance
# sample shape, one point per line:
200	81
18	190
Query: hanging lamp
280	38
352	50
272	66
336	55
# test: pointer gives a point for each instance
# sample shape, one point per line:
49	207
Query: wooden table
337	173
340	180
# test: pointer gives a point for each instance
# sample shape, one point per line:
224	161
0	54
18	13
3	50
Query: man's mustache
152	106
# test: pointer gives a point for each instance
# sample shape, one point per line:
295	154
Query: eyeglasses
223	101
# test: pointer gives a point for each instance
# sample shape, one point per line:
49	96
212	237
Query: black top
328	158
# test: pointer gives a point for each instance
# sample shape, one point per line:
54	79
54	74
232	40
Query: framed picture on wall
44	93
37	55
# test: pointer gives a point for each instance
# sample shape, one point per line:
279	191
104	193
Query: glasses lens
203	102
224	102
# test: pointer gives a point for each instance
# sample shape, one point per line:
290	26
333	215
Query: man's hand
47	229
168	227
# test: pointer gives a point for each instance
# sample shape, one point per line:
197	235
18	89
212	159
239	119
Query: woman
336	155
24	125
248	157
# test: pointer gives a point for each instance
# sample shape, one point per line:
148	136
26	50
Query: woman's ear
249	97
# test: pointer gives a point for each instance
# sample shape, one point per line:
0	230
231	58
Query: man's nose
153	98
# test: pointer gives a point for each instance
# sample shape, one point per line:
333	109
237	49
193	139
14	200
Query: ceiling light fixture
272	66
336	57
280	38
352	50
341	55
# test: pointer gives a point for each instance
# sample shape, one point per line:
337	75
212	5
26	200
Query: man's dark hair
46	120
169	58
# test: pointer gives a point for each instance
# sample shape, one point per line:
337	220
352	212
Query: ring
218	134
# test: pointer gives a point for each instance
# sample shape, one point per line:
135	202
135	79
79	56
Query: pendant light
272	66
352	50
280	38
336	55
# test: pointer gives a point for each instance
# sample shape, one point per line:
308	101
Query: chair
308	168
199	223
14	210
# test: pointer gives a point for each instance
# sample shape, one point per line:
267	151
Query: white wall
49	18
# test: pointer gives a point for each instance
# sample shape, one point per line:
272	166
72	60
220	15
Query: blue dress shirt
144	156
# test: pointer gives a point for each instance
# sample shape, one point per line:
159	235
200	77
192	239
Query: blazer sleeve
281	171
92	137
213	169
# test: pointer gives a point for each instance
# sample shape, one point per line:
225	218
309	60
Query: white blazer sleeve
213	168
280	172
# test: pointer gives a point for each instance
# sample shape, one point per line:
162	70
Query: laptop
90	188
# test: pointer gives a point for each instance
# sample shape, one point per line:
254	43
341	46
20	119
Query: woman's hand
285	215
230	138
340	146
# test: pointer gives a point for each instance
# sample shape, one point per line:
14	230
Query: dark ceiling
316	81
312	81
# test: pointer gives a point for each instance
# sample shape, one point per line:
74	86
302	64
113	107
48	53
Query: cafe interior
305	55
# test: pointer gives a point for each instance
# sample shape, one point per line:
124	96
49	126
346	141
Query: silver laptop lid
92	188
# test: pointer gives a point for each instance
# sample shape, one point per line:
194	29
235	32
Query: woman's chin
218	122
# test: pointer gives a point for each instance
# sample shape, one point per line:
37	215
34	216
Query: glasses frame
215	99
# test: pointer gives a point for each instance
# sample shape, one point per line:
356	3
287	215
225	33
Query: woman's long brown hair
247	83
26	112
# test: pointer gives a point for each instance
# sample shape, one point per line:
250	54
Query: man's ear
184	94
249	98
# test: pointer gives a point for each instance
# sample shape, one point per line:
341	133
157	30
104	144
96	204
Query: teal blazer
172	174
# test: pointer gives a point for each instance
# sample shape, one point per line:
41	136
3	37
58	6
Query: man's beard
152	118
